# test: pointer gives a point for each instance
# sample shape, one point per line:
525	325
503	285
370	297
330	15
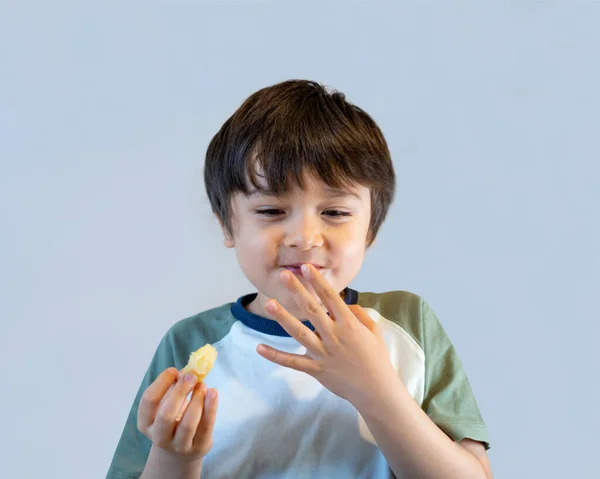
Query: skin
315	225
346	353
181	432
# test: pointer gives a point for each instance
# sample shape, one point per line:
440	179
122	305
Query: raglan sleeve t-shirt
420	351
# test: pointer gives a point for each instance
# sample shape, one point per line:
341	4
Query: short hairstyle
290	128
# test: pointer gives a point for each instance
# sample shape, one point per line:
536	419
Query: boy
315	380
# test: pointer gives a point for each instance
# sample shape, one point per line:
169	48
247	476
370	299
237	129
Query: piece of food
201	361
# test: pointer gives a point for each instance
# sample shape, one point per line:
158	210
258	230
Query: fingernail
305	270
271	306
190	378
286	276
212	394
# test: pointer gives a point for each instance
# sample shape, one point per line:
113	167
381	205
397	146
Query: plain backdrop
491	111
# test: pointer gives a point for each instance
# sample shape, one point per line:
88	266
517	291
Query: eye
272	212
269	213
336	213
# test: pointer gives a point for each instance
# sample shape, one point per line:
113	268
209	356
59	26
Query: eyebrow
330	193
336	193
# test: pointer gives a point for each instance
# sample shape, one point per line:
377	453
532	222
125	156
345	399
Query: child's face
315	225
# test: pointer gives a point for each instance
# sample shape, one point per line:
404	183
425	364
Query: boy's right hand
187	437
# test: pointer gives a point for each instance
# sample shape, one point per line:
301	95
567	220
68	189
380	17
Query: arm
348	355
429	453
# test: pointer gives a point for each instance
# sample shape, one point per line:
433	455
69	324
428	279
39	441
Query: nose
305	232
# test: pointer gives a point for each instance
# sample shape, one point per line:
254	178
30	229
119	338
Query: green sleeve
174	349
133	447
448	399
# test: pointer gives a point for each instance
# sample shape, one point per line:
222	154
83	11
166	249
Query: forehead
311	186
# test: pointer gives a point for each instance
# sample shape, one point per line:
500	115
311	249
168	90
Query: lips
295	267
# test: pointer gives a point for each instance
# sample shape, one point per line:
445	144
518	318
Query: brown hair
290	128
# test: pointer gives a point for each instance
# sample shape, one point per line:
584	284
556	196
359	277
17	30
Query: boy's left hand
346	352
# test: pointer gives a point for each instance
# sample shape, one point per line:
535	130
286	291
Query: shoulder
189	334
212	324
408	311
391	302
400	308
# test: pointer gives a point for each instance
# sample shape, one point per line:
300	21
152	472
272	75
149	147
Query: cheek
257	248
352	255
350	252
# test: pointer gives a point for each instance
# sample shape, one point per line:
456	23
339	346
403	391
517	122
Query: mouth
295	268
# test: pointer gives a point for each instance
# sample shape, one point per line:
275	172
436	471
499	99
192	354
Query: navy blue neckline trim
268	326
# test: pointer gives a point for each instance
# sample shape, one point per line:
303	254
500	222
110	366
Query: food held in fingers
201	362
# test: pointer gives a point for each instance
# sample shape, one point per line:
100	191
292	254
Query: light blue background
492	116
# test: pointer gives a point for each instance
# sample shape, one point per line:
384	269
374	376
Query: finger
204	431
165	420
363	317
152	398
186	429
307	303
184	406
294	327
298	362
331	298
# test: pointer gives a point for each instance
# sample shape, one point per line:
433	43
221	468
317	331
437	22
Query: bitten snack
201	361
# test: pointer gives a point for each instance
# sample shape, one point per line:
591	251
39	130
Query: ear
227	238
367	245
228	242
